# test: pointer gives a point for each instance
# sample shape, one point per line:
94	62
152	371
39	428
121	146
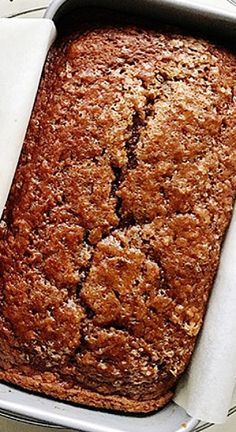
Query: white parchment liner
24	44
206	389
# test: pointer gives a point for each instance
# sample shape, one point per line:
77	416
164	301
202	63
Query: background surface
36	8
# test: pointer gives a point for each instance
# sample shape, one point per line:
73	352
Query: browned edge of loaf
82	396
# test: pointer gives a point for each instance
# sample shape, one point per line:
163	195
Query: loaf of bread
111	235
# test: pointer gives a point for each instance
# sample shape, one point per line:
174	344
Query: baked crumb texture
111	236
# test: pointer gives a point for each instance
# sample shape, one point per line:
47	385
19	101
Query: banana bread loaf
111	235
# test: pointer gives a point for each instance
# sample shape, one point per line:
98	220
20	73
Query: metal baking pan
24	406
201	15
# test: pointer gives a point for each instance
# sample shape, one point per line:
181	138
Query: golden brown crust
46	383
111	236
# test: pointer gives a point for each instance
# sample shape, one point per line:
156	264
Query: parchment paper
207	387
23	49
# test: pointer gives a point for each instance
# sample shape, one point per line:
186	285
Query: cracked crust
111	235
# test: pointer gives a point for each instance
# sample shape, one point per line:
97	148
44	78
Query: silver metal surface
205	17
169	419
26	407
27	420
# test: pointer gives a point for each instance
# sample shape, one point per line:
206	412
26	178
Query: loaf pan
26	407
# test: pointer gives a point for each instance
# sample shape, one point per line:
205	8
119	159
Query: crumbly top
111	236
